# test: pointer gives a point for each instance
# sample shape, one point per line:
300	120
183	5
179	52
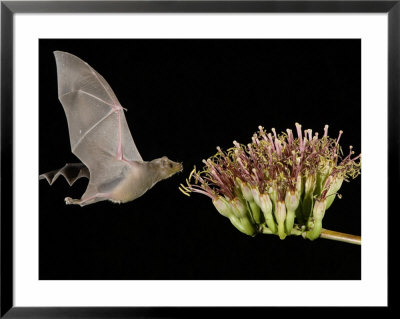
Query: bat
100	138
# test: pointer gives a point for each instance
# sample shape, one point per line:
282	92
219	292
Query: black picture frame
9	8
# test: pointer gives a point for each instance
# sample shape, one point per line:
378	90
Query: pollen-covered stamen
262	133
203	188
256	177
216	177
310	134
347	158
294	163
338	139
220	177
221	154
300	137
202	181
326	130
305	139
283	142
335	158
273	131
278	147
252	154
270	159
242	167
356	158
290	136
197	189
237	145
271	141
255	139
214	169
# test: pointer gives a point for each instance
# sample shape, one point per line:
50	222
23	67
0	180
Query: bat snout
179	167
175	167
167	168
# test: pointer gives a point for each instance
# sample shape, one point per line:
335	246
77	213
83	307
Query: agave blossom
278	184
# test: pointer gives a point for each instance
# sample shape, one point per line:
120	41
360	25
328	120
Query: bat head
166	167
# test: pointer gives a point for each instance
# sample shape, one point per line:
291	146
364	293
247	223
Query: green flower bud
223	206
246	190
266	208
280	215
265	204
273	193
243	225
237	214
319	209
299	186
335	186
239	209
309	187
255	212
322	175
300	190
318	215
310	183
256	195
292	200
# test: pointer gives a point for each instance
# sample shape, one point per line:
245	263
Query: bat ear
167	163
164	161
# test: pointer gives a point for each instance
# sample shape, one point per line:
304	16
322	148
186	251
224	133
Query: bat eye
170	165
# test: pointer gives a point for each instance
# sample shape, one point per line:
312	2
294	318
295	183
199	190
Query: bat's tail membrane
71	172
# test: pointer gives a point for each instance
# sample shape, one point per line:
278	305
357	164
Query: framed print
219	145
224	75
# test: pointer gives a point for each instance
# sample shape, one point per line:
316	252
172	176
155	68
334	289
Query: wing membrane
96	121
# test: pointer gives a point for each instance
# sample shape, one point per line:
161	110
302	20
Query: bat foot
86	200
71	201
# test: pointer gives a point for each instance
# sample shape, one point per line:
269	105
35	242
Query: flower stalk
278	184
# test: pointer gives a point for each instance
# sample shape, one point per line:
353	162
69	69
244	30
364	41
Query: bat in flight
100	138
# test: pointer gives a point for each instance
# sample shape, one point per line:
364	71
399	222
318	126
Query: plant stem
325	233
334	235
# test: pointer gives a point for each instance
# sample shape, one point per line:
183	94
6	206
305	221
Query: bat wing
98	131
71	172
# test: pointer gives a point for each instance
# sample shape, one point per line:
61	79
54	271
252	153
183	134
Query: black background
184	98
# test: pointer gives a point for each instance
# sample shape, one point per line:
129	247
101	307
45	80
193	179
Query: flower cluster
278	183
